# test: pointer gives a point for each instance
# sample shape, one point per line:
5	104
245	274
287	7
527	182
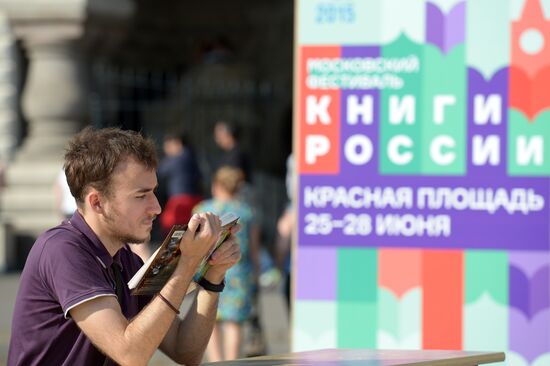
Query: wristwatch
209	286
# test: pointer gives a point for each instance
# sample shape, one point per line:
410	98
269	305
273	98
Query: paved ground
273	315
8	288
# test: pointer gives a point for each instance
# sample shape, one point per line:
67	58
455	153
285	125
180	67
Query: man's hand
225	257
202	232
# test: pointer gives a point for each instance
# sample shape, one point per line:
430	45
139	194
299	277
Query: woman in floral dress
235	304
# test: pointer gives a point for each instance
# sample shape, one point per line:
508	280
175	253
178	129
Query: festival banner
423	162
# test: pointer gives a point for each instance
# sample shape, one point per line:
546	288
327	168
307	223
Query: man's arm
187	339
134	342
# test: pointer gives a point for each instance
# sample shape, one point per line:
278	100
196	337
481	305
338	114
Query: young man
73	306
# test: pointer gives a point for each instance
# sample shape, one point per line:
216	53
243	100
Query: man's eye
140	197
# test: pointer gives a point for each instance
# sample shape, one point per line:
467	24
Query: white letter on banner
372	196
501	199
530	150
535	201
327	194
356	109
310	196
486	150
317	110
440	102
435	150
459	199
487	109
355	197
316	145
351	152
442	225
340	197
518	201
386	225
422	194
404	197
393	149
405	109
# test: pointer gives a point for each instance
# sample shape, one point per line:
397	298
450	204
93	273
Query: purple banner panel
482	212
529	303
317	279
529	282
358	127
445	31
491	126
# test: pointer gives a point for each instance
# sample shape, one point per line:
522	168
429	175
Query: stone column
54	103
9	81
54	98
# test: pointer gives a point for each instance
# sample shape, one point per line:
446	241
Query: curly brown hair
93	154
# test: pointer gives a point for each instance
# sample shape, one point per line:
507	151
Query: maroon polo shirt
67	265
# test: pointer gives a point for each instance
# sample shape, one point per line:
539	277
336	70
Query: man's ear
94	201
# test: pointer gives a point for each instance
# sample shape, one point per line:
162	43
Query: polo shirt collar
78	222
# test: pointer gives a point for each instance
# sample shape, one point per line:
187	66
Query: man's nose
156	209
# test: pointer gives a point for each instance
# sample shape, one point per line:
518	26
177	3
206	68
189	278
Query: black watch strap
209	286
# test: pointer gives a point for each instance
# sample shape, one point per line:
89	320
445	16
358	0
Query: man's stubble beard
123	238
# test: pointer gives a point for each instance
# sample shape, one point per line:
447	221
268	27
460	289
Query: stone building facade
147	65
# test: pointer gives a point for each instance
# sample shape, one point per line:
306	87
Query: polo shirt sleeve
71	273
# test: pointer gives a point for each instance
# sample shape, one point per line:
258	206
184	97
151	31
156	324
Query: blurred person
218	50
73	306
285	228
179	182
241	280
226	136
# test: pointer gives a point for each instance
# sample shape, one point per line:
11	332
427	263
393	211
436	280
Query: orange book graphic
530	61
443	293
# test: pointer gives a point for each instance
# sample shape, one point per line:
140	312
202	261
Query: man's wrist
214	276
187	266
